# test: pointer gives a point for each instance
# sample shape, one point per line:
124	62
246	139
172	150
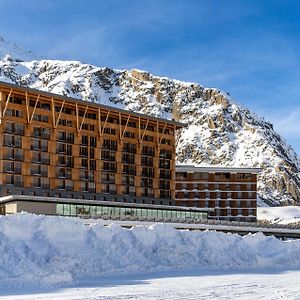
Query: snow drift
53	251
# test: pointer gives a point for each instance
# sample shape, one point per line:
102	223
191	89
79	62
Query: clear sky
248	48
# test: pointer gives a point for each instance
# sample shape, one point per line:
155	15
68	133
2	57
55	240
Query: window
164	163
92	164
93	141
108	177
84	140
165	174
15	128
13	154
128	147
108	155
110	144
12	167
14	179
129	134
147	192
147	161
40	170
86	175
243	176
166	141
12	141
165	194
64	173
147	171
14	113
64	148
128	158
109	188
148	138
146	182
39	145
128	180
110	131
149	151
83	151
164	184
66	161
109	166
129	169
65	137
84	162
41	132
165	154
16	100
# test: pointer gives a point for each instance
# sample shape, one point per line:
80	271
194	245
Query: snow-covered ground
50	252
176	286
280	215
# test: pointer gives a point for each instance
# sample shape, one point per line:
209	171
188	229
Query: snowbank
52	251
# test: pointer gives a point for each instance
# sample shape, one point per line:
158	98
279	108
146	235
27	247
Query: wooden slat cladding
76	146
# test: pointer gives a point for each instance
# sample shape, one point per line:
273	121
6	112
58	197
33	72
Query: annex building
230	192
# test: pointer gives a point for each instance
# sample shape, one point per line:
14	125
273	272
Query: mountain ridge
220	131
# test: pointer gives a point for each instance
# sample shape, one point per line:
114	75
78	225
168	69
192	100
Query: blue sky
247	48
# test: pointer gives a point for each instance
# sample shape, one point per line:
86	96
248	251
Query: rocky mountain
220	131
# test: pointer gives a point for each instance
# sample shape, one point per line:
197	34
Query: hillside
220	131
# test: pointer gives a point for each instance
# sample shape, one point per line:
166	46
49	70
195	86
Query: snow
11	49
40	251
176	286
280	215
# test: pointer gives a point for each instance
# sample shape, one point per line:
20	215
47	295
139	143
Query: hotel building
56	146
57	152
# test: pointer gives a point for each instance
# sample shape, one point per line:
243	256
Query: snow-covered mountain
11	49
220	131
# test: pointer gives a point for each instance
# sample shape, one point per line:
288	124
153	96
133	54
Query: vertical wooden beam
120	126
103	127
59	114
99	122
145	129
77	117
1	100
139	138
125	127
6	103
83	118
157	133
53	111
27	107
163	132
35	105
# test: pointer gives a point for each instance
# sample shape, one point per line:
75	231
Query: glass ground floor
119	211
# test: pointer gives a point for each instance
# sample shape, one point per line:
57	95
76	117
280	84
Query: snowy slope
280	215
219	132
55	251
11	49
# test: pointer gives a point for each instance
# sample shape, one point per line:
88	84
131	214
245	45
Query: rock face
219	131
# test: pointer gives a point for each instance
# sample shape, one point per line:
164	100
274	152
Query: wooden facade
231	192
57	146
